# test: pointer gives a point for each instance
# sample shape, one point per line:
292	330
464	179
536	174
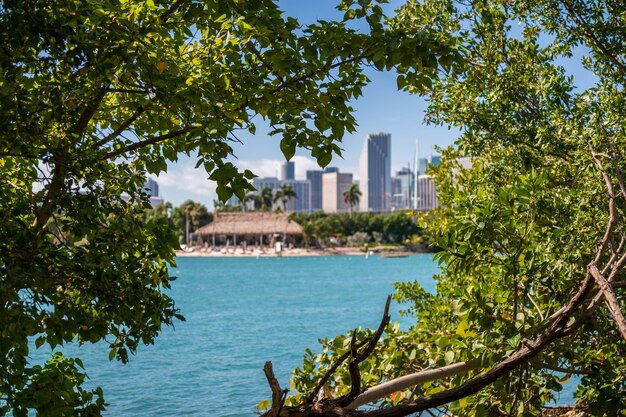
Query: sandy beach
268	252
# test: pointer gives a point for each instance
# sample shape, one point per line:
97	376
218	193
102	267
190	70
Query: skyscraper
375	173
335	185
151	187
403	198
315	177
288	171
427	189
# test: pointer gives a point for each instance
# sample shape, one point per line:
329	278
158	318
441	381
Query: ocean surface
240	313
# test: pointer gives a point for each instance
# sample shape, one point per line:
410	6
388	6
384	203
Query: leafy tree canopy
94	95
532	235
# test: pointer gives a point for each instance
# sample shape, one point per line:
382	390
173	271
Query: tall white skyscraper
375	173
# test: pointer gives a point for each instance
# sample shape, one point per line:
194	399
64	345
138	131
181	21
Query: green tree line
357	229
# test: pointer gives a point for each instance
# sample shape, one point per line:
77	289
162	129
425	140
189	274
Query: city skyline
401	188
176	185
402	115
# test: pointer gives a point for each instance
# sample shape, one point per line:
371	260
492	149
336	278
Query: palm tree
284	194
253	198
266	199
352	196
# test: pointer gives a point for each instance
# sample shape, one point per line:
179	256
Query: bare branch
421	377
612	209
342	358
278	395
355	374
611	299
88	113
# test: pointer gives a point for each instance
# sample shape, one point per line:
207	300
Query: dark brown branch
128	90
322	382
88	113
152	140
121	128
278	395
379	332
166	14
342	358
357	358
325	68
355	374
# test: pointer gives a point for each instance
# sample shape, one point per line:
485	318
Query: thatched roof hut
250	224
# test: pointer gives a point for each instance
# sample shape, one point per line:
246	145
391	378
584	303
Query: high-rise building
398	200
315	177
375	173
302	202
151	187
424	163
331	169
288	171
302	188
403	195
272	183
335	184
427	193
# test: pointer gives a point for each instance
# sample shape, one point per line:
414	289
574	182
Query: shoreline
295	252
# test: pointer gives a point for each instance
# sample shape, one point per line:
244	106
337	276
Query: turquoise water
240	313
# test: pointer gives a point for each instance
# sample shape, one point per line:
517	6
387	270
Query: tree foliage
532	235
94	95
197	214
352	196
392	228
284	194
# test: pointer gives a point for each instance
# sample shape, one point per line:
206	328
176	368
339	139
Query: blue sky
382	108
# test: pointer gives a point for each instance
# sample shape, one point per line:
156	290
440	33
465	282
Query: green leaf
263	405
288	147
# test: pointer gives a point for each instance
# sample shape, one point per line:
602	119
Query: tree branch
612	209
152	140
417	378
355	374
166	14
611	299
584	27
278	395
88	113
121	128
357	358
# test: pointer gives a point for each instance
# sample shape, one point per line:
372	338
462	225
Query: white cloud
182	182
261	167
304	164
271	167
